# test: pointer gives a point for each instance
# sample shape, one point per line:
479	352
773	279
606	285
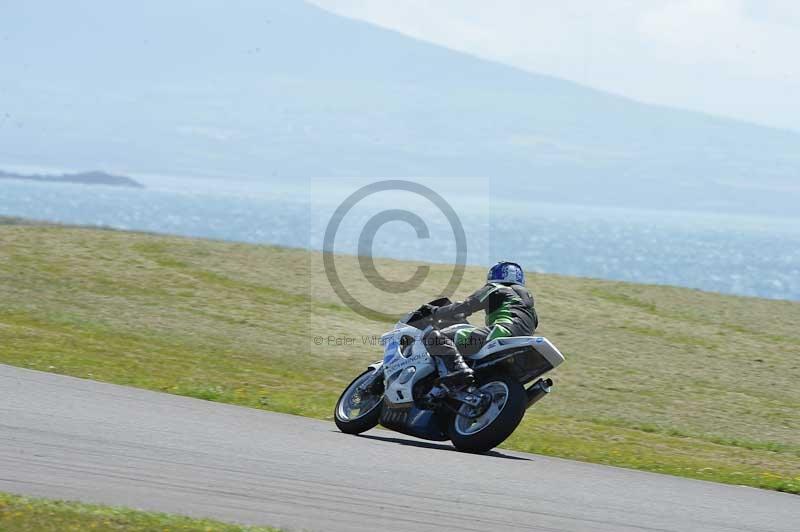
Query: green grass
657	378
23	514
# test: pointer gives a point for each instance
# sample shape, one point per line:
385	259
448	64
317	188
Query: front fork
375	382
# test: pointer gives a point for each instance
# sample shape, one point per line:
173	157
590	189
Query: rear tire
472	438
361	422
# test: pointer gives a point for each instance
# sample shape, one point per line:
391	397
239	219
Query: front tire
501	418
356	413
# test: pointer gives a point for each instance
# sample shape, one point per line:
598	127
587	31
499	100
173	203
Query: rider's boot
458	371
442	347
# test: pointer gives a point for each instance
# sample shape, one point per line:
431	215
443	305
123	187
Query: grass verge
23	514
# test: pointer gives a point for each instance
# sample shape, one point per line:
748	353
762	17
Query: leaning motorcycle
402	392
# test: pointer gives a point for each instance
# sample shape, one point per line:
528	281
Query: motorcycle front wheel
358	410
479	434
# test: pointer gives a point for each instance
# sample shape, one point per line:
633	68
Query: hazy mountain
283	89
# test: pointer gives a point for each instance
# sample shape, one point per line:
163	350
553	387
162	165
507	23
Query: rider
509	312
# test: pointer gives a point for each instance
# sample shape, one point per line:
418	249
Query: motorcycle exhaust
538	390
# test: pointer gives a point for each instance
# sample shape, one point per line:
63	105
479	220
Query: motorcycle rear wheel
501	418
367	408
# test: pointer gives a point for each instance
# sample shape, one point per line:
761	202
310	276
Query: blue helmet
506	272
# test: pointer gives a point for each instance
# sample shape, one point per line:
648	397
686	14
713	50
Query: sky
735	58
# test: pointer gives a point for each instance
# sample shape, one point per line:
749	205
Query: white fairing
402	370
539	343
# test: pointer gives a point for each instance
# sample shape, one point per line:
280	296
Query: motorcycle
403	391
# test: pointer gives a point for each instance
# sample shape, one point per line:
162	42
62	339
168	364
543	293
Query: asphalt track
77	439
